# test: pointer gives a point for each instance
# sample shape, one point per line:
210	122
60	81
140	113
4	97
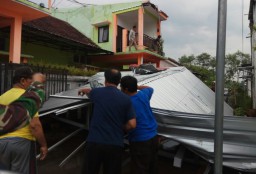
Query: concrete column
140	60
49	4
140	27
114	33
158	32
124	44
15	40
158	64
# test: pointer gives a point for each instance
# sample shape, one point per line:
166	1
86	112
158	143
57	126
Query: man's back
146	123
6	99
112	109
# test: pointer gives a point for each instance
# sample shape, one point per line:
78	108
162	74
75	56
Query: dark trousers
107	156
144	156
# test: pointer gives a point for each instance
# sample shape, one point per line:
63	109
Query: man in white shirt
132	38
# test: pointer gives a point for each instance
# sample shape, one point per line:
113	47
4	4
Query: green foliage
238	96
204	60
203	66
240	111
187	60
232	62
72	70
207	76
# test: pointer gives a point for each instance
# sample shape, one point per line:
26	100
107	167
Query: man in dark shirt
112	114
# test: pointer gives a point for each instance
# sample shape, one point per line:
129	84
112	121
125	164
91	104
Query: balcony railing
152	45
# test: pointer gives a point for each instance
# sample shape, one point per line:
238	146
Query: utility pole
219	99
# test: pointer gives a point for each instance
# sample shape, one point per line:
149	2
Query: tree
203	60
200	66
232	82
187	60
233	61
203	66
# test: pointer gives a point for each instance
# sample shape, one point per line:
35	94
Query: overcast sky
192	25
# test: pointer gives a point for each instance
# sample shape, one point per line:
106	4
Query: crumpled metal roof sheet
184	107
177	89
196	131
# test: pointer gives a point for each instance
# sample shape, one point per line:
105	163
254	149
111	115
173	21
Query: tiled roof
60	28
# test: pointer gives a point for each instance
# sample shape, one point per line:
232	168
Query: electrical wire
58	3
74	1
53	3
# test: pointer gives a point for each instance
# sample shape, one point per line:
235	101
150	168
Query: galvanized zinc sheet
177	89
196	132
184	107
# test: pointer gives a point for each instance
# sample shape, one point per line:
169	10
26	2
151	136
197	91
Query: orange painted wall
14	14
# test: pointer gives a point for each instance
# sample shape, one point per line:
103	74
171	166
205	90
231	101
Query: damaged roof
176	89
184	108
56	29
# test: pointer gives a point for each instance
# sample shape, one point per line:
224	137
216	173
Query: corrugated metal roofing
196	131
177	89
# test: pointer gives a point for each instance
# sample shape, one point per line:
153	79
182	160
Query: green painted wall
46	54
34	5
82	18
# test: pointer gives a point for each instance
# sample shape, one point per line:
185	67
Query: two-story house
13	13
109	26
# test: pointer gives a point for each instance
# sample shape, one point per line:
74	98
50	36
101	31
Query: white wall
129	19
150	26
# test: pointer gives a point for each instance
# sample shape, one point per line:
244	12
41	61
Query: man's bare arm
131	124
37	130
84	91
142	87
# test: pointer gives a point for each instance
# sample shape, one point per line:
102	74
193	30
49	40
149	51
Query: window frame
105	29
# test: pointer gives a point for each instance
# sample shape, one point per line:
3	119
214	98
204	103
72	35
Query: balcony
151	45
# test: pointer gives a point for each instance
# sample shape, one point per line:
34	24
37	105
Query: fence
56	79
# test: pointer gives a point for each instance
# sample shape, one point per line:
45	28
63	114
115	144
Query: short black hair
129	83
112	76
134	26
22	72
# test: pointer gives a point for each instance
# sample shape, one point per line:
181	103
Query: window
103	34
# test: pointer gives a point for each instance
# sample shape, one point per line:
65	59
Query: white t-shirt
131	35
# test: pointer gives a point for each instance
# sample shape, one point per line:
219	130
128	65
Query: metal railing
56	79
152	45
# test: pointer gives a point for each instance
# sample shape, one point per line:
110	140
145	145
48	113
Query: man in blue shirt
112	114
143	139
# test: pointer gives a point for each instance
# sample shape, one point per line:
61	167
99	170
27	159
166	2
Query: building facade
13	13
109	26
